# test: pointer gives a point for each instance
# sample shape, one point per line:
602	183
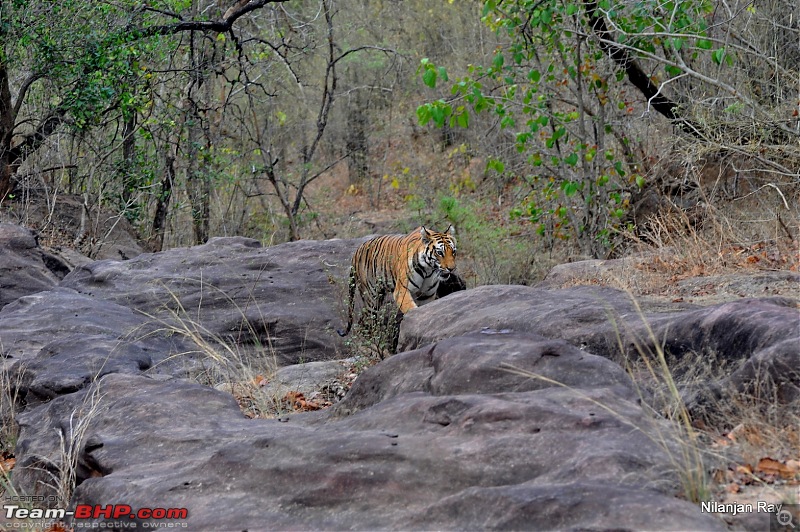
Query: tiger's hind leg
351	302
380	319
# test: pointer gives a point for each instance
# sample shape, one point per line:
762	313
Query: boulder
473	447
509	407
286	299
57	342
489	361
70	220
747	345
654	274
24	267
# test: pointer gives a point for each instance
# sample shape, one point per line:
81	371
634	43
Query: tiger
410	266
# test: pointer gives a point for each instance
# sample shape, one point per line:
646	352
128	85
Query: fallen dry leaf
721	442
770	466
733	488
7	464
299	402
719	476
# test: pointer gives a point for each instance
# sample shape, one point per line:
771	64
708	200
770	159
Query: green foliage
554	86
85	51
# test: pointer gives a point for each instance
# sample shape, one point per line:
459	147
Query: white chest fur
423	281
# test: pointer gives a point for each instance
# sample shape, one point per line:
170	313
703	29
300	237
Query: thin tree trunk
162	205
128	157
6	134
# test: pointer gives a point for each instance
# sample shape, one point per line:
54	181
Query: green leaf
496	165
704	44
718	55
534	76
571	159
443	74
507	121
672	70
498	61
429	77
463	118
569	188
423	114
438	116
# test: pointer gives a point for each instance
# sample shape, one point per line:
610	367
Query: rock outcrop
285	299
24	267
748	345
508	407
456	444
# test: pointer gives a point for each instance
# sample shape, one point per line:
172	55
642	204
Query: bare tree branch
22	91
223	25
638	78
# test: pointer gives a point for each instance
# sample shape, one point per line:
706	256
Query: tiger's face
440	251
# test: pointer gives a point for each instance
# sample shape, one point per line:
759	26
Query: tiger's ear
424	235
451	230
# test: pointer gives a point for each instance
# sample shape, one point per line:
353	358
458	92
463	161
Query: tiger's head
440	251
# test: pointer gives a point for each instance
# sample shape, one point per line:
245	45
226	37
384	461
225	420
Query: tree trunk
129	161
6	135
162	206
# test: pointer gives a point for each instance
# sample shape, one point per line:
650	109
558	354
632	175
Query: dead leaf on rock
769	466
7	464
298	402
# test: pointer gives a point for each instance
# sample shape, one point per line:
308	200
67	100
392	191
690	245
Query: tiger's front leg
403	298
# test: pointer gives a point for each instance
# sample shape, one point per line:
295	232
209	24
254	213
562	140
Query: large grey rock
448	435
288	299
24	267
475	448
57	342
490	361
749	344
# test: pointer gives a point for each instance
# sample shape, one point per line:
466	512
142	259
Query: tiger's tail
351	303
